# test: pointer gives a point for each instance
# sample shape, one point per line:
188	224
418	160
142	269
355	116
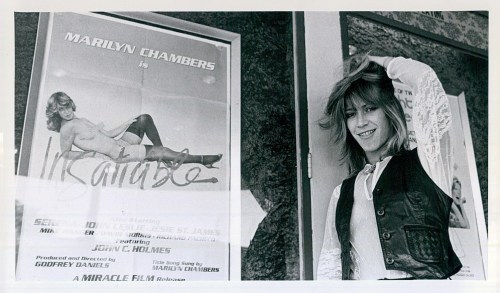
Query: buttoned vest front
412	215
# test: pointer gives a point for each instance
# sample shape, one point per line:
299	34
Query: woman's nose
361	119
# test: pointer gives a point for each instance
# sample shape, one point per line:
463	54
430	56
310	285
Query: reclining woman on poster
389	219
98	142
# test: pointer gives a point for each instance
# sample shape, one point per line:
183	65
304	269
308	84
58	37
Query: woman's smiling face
369	126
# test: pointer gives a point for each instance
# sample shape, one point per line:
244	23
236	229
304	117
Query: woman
95	140
390	218
132	130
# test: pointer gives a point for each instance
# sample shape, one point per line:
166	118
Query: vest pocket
424	243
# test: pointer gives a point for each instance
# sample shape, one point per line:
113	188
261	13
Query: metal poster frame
227	46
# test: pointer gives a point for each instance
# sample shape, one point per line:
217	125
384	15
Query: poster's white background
7	281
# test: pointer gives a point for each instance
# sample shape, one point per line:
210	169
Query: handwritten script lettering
108	172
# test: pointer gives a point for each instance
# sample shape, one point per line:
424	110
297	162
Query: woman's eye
369	109
349	114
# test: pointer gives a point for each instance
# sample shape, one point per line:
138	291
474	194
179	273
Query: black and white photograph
251	150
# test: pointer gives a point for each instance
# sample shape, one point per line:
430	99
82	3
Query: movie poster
467	226
132	183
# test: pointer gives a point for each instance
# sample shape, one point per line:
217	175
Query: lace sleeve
329	264
431	115
431	118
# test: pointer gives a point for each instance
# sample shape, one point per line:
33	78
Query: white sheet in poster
82	233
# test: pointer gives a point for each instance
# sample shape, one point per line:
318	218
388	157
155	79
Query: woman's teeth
366	133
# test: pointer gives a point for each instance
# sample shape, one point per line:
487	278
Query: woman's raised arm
431	116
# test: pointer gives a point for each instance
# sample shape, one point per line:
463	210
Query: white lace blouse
431	121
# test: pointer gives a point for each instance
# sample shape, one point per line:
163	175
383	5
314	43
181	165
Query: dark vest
412	215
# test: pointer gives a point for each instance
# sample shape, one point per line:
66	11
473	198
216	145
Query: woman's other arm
115	131
329	264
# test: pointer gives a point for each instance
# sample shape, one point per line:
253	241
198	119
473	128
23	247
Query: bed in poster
126	154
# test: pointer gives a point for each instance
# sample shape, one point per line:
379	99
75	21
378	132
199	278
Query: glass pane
459	71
